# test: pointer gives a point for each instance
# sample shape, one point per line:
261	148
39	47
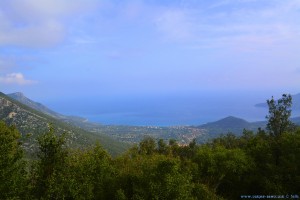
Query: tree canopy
265	162
279	115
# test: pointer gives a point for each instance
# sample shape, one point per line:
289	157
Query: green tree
147	146
279	114
279	122
174	147
185	152
91	174
289	165
48	173
12	165
154	177
229	141
221	169
162	147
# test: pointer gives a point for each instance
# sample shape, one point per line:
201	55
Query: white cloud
16	78
43	35
266	23
38	23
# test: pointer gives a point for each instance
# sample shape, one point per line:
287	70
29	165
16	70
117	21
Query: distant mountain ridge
40	107
32	122
227	124
132	134
236	125
295	105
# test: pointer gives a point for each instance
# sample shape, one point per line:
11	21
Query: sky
53	49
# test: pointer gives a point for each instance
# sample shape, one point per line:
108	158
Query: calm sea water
164	110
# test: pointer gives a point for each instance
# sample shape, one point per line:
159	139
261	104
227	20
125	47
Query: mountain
128	134
228	124
295	105
235	125
31	122
37	106
74	120
134	134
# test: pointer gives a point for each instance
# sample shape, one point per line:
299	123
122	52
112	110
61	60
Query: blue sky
98	48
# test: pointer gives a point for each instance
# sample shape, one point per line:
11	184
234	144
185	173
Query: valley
32	118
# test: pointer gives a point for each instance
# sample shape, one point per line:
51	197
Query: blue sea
164	110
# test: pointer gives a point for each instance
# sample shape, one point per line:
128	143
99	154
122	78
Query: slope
236	126
228	124
32	123
74	120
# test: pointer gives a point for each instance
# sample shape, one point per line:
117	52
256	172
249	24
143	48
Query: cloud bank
16	79
38	23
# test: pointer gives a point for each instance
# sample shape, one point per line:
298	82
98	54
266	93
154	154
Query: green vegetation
279	114
79	127
12	166
31	123
295	106
227	167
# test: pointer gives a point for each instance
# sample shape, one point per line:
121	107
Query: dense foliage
261	163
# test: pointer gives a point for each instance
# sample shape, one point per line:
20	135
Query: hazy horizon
164	110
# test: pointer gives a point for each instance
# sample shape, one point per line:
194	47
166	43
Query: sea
164	110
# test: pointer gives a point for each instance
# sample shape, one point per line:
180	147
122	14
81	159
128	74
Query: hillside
31	123
74	120
134	134
235	125
128	134
20	97
228	124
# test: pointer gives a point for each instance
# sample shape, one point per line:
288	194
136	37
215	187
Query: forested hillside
31	123
254	165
